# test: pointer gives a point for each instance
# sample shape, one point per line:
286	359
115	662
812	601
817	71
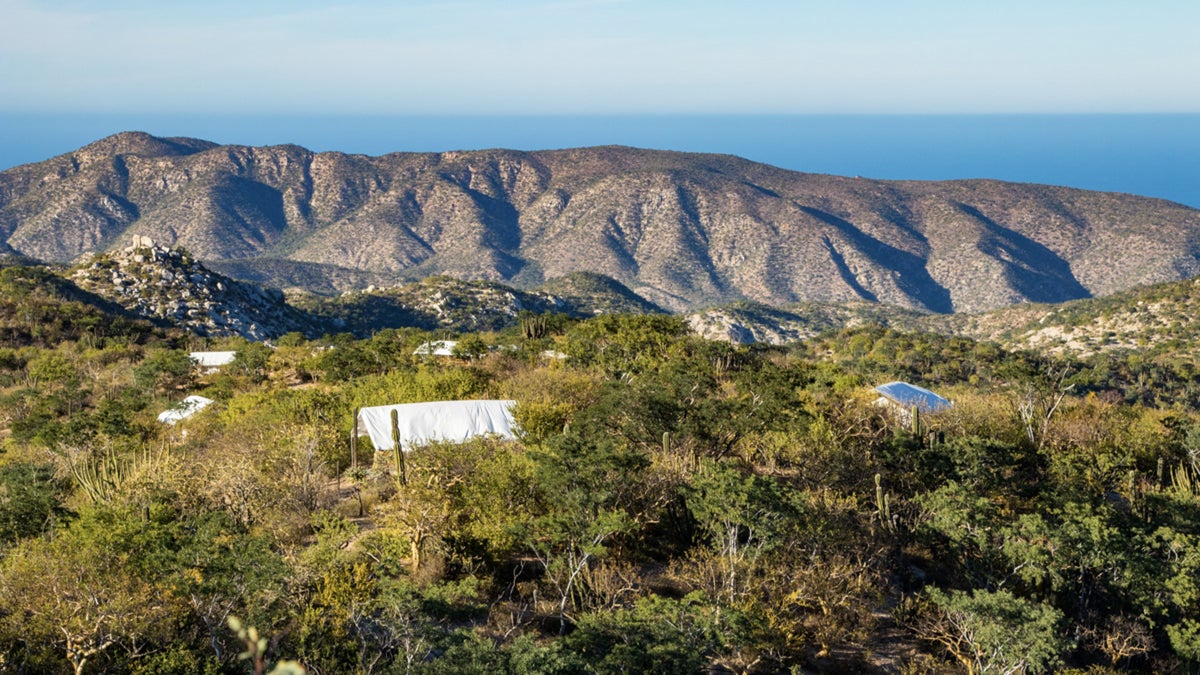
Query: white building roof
213	359
908	395
421	423
437	348
184	409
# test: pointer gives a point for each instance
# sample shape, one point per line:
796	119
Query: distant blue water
1152	155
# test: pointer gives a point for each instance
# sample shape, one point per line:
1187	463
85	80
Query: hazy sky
600	56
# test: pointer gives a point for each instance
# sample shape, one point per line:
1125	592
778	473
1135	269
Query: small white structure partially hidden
437	348
211	362
185	409
451	421
904	396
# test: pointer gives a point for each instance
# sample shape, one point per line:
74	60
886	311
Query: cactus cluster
883	505
534	327
101	477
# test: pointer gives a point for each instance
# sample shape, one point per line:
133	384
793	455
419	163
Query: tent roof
905	394
213	359
436	348
421	423
184	409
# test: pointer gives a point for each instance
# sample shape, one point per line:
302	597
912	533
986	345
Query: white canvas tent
905	396
420	423
211	362
184	409
436	348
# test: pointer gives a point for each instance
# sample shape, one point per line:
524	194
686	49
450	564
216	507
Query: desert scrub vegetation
671	505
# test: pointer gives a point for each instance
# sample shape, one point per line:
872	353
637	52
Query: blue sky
599	57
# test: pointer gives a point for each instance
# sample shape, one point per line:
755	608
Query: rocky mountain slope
682	230
450	303
746	322
114	293
1148	319
171	288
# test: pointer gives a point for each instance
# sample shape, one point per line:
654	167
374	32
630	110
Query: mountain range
142	288
682	230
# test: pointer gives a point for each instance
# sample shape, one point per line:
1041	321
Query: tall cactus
916	421
397	451
102	476
883	504
354	442
534	327
1183	479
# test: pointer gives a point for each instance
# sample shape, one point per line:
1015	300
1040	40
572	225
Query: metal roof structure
908	395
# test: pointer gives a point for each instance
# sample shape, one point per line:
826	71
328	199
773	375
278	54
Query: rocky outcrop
454	304
718	324
170	287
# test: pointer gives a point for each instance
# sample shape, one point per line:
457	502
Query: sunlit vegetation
673	505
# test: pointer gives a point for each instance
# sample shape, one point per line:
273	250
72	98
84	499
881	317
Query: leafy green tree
622	343
291	339
583	508
741	517
655	635
994	631
251	361
469	347
1185	639
30	500
220	570
164	371
77	594
325	632
52	367
468	653
539	420
1076	554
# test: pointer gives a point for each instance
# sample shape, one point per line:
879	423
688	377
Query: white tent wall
420	423
184	409
213	359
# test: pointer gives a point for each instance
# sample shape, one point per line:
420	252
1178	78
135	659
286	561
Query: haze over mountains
682	230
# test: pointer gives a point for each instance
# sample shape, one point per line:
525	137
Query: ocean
1151	155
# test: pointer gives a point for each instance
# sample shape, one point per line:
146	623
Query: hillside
171	288
40	308
670	505
106	294
1148	319
682	230
443	302
745	322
